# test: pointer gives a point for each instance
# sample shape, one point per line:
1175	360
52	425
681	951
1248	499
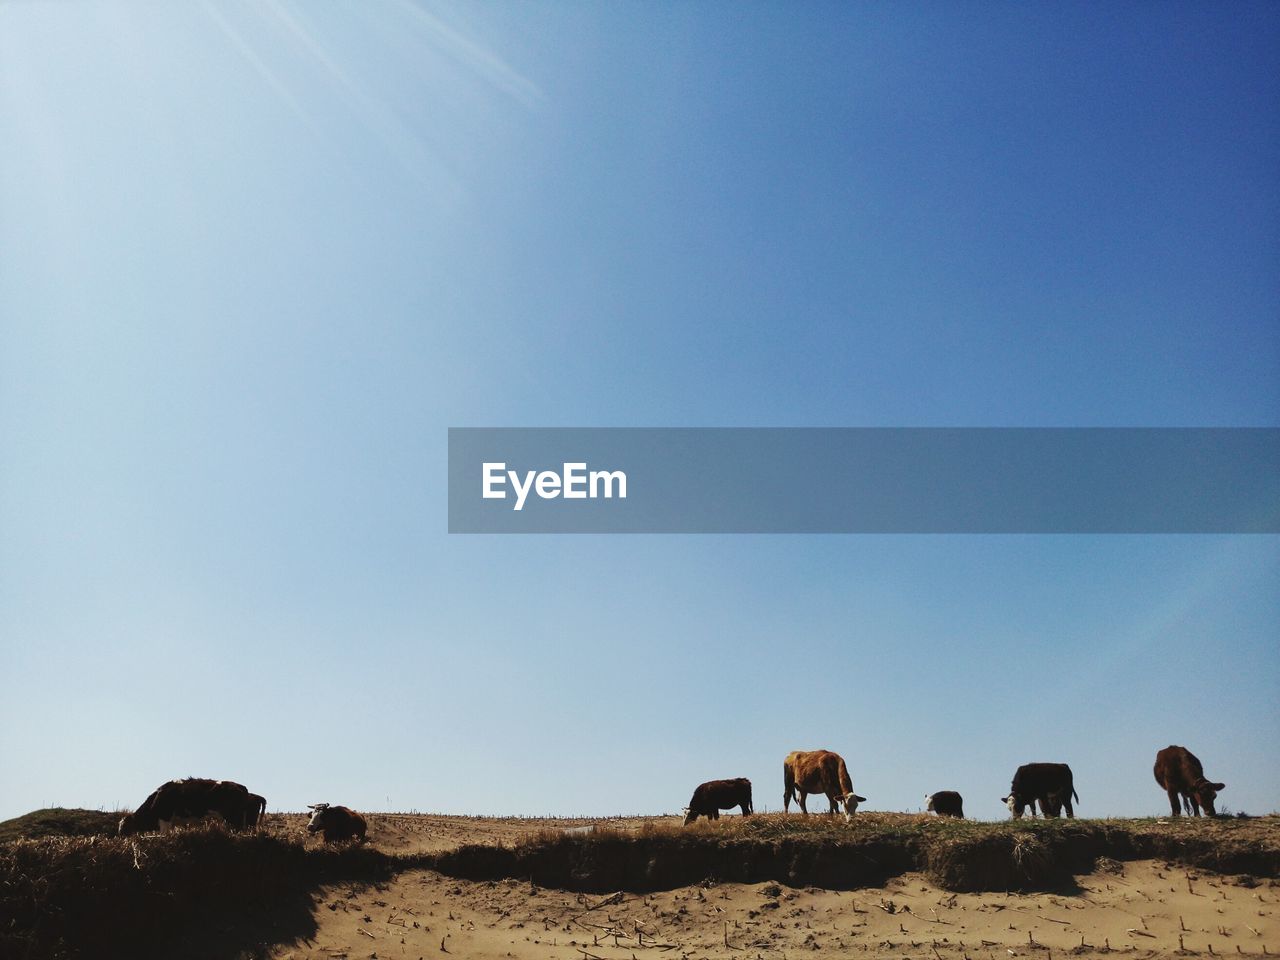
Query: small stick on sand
1134	931
607	901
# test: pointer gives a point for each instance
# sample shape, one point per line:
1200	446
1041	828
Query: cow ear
860	799
1218	786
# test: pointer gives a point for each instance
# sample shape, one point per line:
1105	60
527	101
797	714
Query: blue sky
255	259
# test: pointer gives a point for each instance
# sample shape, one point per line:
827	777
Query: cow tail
1075	795
788	784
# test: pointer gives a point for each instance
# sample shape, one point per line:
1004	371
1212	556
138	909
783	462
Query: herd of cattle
181	803
819	772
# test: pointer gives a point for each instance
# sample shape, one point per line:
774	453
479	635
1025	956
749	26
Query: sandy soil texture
1142	909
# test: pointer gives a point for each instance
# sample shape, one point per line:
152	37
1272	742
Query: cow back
820	771
1034	779
1177	768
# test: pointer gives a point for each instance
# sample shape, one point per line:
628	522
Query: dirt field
1140	908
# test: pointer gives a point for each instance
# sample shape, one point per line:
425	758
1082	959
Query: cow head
851	801
689	815
126	825
319	814
928	803
1206	793
1016	805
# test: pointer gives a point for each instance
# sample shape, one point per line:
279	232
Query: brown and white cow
716	795
336	823
1180	774
818	771
193	800
945	803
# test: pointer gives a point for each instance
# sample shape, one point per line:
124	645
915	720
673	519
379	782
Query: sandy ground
1142	909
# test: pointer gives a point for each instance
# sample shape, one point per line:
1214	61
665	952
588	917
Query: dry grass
824	851
98	895
109	896
60	822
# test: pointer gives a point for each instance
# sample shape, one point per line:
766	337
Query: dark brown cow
1180	775
184	802
336	823
945	803
716	795
818	771
1050	784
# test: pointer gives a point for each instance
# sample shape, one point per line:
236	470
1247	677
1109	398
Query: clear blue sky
256	258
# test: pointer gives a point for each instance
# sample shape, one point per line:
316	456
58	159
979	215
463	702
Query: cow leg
800	795
1175	802
1195	803
745	811
1070	813
714	814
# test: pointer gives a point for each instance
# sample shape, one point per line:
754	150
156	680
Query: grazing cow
1180	774
945	803
1048	783
818	771
336	823
184	802
716	795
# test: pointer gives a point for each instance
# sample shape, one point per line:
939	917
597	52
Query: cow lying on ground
1180	774
184	802
336	823
716	795
1049	784
818	771
945	803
